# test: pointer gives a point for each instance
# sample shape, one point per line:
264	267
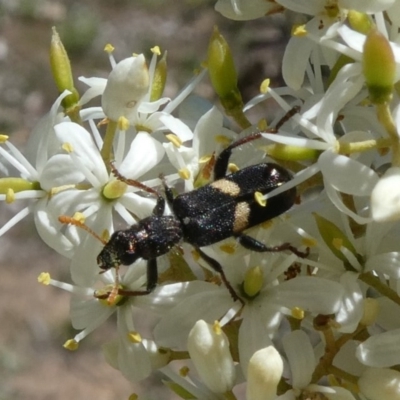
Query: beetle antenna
65	219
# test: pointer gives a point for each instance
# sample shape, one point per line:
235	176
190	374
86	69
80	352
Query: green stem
382	288
229	395
343	374
386	119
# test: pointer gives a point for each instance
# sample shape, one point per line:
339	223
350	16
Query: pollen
78	216
205	159
123	124
222	139
3	138
259	198
109	48
44	278
264	87
309	242
337	243
184	371
299	30
217	328
67	147
184	173
262	124
156	50
267	224
232	168
174	140
228	248
195	255
10	196
71	345
133	396
134	337
298	313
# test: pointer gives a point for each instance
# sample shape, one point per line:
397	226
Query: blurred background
34	320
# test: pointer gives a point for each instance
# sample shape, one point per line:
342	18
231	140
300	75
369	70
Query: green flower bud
291	153
223	77
61	69
379	67
339	64
160	77
17	185
333	237
360	22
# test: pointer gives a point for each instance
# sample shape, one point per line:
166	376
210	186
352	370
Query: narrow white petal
347	175
300	355
144	154
317	295
177	126
352	308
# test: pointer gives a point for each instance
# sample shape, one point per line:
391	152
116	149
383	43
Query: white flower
123	95
187	159
37	176
262	314
133	356
301	359
95	193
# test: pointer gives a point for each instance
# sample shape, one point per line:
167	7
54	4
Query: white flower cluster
325	326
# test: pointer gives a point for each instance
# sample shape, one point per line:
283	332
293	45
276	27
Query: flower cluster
317	318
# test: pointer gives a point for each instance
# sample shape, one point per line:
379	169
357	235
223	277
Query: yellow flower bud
379	67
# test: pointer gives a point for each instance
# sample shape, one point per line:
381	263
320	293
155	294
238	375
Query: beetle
221	209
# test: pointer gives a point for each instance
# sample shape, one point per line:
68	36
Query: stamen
64	219
156	50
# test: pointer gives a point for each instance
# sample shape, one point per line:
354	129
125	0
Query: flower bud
222	72
291	153
333	237
127	84
159	79
61	70
17	185
379	384
209	350
263	374
359	21
379	67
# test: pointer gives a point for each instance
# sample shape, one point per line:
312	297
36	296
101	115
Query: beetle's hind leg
222	161
250	243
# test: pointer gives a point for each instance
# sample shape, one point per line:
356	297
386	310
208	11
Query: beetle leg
216	266
221	164
253	244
